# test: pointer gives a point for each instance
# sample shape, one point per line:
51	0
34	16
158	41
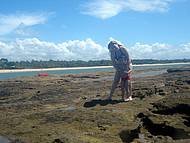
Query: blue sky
81	29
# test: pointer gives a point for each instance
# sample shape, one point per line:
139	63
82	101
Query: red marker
43	74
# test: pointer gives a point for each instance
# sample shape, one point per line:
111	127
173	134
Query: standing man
122	64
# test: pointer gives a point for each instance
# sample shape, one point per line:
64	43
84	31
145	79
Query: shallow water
4	140
77	71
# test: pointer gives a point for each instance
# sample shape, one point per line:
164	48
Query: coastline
78	68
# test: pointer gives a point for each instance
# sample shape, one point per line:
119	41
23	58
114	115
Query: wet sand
71	109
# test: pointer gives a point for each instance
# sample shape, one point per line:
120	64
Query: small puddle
69	108
4	139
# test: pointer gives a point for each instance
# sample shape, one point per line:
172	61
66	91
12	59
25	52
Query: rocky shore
72	109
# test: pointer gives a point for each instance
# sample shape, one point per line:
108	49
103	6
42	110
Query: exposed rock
74	109
178	70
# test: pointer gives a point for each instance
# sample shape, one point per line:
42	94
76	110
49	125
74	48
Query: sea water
162	68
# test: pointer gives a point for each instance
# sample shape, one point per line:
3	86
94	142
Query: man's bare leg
114	84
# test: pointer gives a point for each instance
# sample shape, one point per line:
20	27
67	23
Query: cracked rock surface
72	109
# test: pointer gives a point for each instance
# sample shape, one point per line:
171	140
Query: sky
81	29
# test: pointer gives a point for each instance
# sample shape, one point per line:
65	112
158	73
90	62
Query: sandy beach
77	68
51	69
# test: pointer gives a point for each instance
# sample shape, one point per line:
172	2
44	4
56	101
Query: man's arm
126	54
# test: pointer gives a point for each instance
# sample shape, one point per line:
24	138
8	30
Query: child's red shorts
127	76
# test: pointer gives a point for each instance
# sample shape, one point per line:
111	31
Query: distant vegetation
5	64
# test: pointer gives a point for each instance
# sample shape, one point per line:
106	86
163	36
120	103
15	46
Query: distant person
122	64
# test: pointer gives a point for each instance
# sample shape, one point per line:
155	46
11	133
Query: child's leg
130	88
127	88
123	88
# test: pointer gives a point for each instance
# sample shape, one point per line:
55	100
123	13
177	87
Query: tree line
5	64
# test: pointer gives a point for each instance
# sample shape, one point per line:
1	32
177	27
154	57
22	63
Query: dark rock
66	80
187	121
187	81
163	129
178	70
84	97
176	91
162	93
101	127
64	139
58	141
178	109
127	136
86	76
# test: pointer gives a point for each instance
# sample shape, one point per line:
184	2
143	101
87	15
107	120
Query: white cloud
160	51
148	5
88	49
103	8
9	23
108	8
29	49
24	31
